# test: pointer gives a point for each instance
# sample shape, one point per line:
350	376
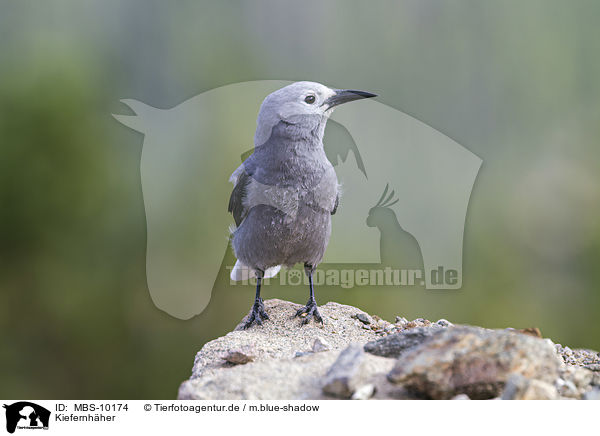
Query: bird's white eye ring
310	99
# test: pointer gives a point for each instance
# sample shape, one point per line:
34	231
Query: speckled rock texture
355	355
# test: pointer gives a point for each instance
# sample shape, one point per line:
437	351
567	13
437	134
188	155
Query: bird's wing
240	180
336	204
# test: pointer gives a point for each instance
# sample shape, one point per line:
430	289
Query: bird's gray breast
287	174
289	197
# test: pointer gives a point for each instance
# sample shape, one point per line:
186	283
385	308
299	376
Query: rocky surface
473	361
394	345
344	377
360	356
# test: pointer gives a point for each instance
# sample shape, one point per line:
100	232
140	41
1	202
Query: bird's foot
258	314
309	311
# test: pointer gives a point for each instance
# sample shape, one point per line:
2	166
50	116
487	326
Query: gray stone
582	377
419	322
401	320
473	361
594	394
363	317
566	388
521	388
574	381
364	392
343	376
320	344
302	353
460	397
395	344
579	357
444	323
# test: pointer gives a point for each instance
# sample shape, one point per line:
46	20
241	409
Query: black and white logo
26	415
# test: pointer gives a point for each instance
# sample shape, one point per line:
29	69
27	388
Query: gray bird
286	191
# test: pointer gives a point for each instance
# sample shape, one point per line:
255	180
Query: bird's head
303	106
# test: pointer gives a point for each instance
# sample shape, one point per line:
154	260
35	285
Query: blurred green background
515	82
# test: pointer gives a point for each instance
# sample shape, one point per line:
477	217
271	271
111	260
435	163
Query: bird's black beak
346	95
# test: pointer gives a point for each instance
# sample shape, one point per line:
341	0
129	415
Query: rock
240	355
533	331
320	344
395	344
582	377
574	381
302	353
343	376
284	379
444	323
594	394
364	392
363	317
435	361
275	373
460	397
473	361
579	356
401	320
566	388
521	388
419	322
282	335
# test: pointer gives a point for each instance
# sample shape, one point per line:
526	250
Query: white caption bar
299	417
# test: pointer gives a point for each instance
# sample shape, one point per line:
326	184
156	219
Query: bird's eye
310	99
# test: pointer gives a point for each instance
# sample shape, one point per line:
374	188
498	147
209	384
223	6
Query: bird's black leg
258	314
310	310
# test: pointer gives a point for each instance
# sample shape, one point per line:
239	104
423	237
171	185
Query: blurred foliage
515	82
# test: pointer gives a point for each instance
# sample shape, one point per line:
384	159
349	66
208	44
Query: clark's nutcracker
285	192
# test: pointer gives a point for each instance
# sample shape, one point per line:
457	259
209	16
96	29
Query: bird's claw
309	311
258	314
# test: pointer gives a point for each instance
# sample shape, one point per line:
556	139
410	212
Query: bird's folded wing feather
248	192
240	181
326	193
336	204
